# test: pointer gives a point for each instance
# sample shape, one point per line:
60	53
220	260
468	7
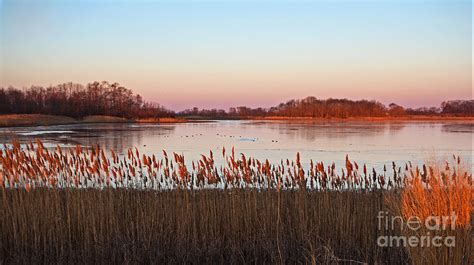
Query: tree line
76	100
104	98
450	107
335	108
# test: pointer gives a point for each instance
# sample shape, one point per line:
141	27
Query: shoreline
367	119
31	120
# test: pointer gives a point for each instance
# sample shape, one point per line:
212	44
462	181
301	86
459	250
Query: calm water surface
374	143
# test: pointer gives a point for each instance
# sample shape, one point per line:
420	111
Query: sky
218	54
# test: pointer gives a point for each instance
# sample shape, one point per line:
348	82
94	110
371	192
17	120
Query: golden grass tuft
439	193
103	119
441	198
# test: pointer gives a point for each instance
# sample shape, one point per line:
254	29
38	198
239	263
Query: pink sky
219	55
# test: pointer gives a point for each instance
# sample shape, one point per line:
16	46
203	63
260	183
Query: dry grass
35	166
103	119
15	120
183	226
80	205
161	120
442	200
33	120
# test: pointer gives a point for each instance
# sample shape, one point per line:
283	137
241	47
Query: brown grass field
81	205
102	119
183	226
17	120
22	120
161	120
33	120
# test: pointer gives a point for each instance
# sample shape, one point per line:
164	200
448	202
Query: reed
441	199
33	166
89	205
184	226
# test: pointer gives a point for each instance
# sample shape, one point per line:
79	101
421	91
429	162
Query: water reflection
331	130
458	127
112	136
374	143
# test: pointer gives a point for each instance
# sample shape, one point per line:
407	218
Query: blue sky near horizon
227	53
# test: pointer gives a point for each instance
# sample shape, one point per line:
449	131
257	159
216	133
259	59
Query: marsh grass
81	205
33	120
441	192
183	226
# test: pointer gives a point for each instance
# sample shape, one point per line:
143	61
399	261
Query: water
374	143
